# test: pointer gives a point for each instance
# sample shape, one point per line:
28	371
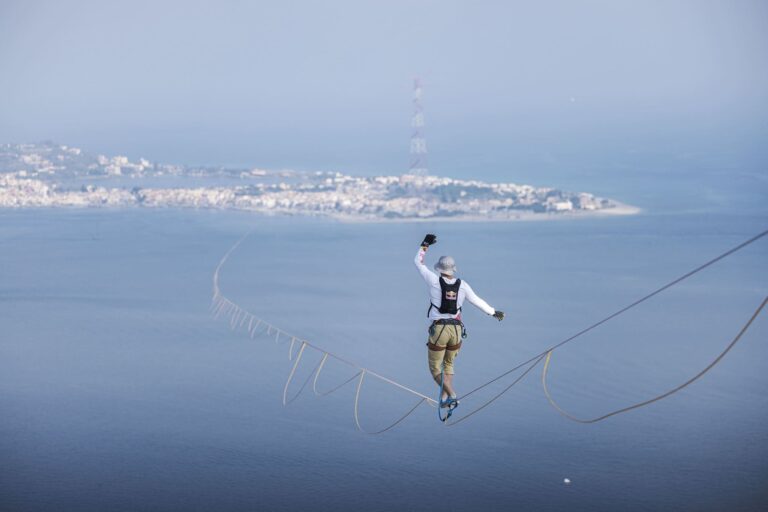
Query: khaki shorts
443	347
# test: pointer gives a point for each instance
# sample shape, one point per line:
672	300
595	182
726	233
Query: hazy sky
327	84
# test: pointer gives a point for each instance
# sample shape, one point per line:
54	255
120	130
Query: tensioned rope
537	358
657	397
238	317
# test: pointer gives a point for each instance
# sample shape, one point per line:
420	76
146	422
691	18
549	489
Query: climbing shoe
451	403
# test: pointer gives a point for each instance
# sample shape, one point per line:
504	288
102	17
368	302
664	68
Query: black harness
449	296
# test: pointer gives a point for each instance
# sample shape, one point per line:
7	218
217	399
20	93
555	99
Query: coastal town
48	175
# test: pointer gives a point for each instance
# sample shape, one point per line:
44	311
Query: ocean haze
508	87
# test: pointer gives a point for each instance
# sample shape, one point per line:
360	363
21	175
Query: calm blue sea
118	391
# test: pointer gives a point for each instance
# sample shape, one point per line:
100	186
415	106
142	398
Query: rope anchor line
238	317
657	397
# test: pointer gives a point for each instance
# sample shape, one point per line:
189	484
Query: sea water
119	391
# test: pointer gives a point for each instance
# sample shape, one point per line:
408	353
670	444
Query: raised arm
428	275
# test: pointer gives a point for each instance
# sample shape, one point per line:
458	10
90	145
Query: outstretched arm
481	304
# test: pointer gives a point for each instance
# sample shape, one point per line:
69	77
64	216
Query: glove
498	315
429	240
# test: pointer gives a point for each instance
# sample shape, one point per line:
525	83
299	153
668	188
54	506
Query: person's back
447	295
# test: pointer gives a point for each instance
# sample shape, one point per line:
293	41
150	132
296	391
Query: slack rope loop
290	377
317	376
657	397
238	318
626	308
390	427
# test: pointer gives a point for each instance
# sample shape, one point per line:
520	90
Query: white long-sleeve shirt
435	293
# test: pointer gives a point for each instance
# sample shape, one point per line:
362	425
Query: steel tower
418	142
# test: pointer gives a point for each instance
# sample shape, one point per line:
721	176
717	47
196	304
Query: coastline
621	209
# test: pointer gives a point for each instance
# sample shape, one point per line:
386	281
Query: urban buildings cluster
49	175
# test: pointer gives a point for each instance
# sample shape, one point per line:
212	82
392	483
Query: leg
442	347
436	361
447	385
451	351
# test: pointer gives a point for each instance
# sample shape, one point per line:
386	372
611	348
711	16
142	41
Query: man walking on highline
446	296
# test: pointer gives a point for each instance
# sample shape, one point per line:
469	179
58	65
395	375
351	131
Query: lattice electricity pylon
418	142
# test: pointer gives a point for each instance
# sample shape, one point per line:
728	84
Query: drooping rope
624	309
657	397
238	317
391	426
317	376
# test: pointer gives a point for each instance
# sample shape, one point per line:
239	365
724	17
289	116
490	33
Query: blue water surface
119	391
